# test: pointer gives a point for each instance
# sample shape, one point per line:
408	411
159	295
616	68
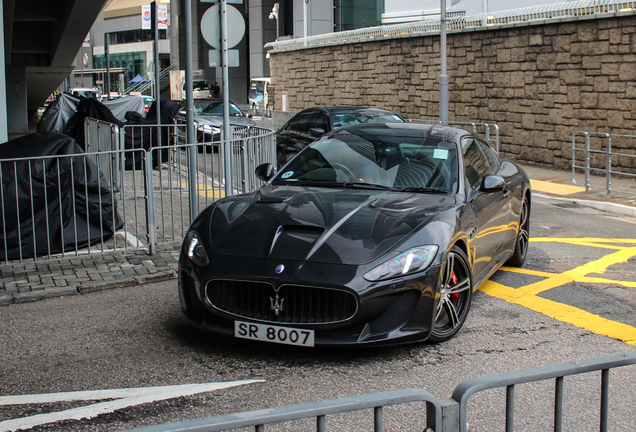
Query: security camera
274	13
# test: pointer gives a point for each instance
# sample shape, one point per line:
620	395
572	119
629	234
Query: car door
487	237
295	135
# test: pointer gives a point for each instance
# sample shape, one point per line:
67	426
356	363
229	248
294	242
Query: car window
320	121
488	152
390	160
300	122
351	117
475	162
215	108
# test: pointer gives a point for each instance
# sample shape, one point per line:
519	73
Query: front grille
296	304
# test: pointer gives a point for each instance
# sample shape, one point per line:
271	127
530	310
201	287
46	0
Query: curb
85	288
604	206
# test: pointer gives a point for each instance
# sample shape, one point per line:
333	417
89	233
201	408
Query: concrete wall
539	83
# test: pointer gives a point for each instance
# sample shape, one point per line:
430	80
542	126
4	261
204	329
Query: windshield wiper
420	189
363	185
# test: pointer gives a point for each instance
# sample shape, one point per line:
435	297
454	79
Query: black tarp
89	107
141	137
52	205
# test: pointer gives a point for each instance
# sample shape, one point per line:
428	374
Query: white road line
124	398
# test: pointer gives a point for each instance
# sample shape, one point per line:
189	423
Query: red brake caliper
454	296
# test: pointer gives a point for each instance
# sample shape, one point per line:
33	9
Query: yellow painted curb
555	188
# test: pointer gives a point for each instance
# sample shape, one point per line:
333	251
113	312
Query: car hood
218	121
339	226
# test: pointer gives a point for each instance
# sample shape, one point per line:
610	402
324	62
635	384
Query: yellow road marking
527	296
562	312
555	188
205	190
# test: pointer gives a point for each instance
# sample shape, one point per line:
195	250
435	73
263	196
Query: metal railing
534	14
442	415
490	131
320	410
155	190
596	154
274	119
558	372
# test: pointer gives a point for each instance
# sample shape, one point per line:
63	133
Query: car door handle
506	193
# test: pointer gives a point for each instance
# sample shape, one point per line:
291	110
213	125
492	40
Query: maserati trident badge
277	303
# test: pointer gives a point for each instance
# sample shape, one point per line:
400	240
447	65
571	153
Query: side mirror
249	115
316	132
265	171
492	183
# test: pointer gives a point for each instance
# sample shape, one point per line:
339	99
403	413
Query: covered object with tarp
53	198
57	115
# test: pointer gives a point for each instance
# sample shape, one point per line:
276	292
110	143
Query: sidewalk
21	283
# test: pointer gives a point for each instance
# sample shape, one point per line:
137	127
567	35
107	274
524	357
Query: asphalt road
136	337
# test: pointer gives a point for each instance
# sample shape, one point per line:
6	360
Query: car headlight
210	129
195	249
411	261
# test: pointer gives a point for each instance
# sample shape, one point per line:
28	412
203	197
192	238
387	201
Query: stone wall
539	83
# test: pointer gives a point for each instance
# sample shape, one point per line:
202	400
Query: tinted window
300	122
488	153
475	162
392	160
320	121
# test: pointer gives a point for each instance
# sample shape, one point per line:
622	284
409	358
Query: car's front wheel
455	295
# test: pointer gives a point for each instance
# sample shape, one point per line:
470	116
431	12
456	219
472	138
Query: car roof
347	108
443	132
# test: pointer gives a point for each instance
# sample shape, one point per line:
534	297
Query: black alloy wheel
523	237
281	159
456	292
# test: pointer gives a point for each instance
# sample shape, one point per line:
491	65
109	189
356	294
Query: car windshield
349	117
215	108
401	160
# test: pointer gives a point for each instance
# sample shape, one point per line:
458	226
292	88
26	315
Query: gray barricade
157	190
447	415
604	154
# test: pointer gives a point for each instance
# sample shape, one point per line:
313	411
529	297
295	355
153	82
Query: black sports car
312	123
374	234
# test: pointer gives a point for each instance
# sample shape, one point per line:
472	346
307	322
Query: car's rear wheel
281	159
455	295
523	237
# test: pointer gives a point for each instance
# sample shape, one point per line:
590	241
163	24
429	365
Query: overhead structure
42	38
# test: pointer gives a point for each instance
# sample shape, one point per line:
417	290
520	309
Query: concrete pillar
17	110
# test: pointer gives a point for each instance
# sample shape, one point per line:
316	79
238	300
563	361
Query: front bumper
388	313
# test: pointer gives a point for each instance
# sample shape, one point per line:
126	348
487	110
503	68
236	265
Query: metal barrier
442	415
274	119
508	380
101	136
597	152
435	413
490	131
542	13
156	190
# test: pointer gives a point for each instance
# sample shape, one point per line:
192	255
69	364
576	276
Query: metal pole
443	78
305	24
107	83
155	27
226	101
187	12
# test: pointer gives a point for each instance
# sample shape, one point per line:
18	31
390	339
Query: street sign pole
192	150
107	84
155	28
443	78
226	101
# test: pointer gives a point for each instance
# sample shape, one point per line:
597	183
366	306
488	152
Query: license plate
276	334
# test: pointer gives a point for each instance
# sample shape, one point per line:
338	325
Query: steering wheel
346	171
